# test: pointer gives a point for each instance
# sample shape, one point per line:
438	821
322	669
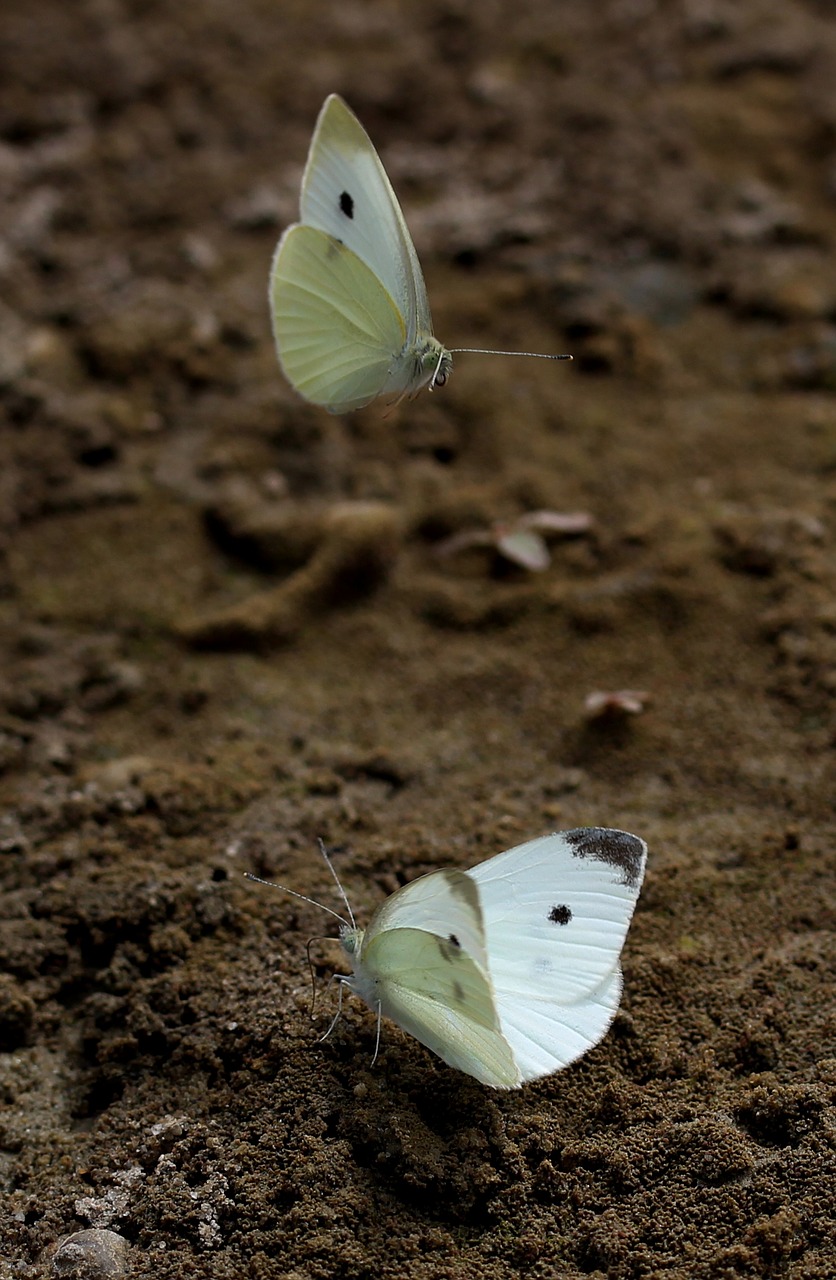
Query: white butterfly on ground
508	971
349	306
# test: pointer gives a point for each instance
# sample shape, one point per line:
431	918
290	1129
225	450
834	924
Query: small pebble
94	1254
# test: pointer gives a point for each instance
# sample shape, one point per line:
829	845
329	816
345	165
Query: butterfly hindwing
424	961
436	992
336	328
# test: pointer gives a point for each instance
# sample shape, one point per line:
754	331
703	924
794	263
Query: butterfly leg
439	378
334	977
377	1037
338	977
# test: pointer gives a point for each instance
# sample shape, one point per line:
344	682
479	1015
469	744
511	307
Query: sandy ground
226	630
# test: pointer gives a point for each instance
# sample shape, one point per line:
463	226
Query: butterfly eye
440	380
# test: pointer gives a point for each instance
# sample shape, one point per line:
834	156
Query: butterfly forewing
345	192
336	330
557	910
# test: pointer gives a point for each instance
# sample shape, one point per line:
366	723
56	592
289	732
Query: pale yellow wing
444	903
434	990
338	332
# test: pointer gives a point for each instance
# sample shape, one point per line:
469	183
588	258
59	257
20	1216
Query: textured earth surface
231	624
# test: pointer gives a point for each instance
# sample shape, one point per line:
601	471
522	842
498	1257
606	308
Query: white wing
346	193
556	913
545	1037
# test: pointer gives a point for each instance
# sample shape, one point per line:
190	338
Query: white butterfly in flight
349	306
508	971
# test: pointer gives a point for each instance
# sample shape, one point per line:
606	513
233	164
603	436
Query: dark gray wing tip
622	851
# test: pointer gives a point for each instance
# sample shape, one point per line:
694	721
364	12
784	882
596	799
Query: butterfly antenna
484	351
329	864
248	875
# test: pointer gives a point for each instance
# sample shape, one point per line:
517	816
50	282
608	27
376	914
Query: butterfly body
508	971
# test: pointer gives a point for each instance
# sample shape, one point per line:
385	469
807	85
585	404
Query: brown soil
225	630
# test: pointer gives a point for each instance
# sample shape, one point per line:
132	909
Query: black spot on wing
560	914
450	948
347	204
623	852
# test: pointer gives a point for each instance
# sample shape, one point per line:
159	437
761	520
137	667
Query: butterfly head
433	363
351	940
